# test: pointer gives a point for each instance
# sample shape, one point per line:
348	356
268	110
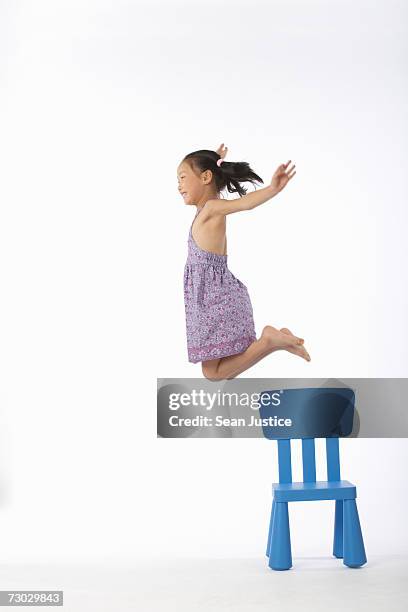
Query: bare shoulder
223	207
211	210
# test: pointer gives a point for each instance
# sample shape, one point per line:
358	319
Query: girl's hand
222	151
282	176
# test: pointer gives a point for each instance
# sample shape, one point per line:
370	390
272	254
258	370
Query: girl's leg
271	340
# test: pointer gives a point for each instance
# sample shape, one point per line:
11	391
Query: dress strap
195	216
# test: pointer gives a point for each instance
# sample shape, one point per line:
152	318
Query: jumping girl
219	318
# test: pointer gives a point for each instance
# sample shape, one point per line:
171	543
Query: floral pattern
218	309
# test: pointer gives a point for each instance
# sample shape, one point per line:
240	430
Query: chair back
308	460
323	412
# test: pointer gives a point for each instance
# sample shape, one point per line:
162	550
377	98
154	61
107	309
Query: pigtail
235	173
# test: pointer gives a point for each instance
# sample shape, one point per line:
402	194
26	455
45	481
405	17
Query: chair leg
338	530
280	554
268	546
353	545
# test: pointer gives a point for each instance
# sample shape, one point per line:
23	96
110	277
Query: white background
99	103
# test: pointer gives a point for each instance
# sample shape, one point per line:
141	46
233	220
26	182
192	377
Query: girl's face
191	186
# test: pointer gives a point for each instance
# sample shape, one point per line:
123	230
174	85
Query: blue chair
348	541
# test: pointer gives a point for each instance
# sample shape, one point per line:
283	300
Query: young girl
219	317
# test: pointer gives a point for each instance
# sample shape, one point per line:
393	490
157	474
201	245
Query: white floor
237	585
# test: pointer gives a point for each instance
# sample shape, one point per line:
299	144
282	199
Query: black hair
228	175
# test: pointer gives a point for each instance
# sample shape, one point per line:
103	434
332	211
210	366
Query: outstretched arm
253	199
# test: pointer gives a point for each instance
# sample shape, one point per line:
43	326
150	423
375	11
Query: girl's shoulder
212	206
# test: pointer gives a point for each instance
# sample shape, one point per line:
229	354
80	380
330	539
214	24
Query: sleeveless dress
218	309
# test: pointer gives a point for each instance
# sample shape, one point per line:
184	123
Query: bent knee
209	369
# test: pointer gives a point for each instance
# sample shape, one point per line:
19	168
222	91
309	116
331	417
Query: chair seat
310	491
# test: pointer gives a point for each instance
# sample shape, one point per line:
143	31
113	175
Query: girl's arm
246	202
253	199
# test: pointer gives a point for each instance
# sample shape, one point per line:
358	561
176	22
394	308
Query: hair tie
219	161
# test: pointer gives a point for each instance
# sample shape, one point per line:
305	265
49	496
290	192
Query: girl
219	317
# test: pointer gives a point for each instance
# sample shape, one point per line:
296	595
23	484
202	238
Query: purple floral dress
219	317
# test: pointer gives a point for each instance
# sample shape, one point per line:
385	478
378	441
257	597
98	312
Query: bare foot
297	350
276	339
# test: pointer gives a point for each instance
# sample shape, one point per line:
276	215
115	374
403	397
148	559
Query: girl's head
200	178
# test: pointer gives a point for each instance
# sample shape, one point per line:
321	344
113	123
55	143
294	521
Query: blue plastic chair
348	540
